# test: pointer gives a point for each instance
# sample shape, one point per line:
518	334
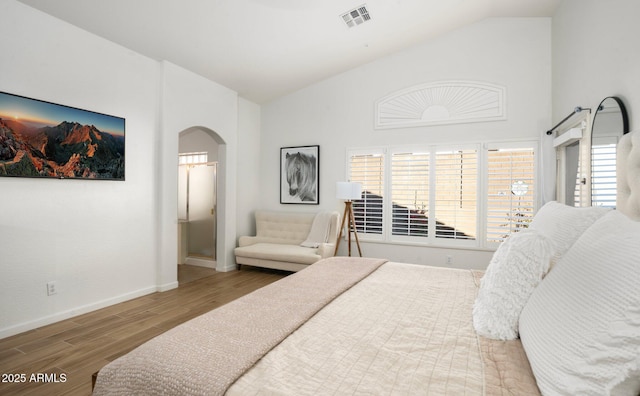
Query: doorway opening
198	206
197	198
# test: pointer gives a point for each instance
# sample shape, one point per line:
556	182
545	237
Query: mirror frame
625	130
623	112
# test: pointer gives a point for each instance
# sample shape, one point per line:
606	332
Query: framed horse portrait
299	175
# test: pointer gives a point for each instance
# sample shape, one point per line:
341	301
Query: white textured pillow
581	326
515	270
564	224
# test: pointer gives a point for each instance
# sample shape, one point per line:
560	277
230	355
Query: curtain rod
576	110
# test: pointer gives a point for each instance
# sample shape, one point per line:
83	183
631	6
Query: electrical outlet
449	260
52	288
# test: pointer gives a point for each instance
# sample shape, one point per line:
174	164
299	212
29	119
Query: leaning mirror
610	122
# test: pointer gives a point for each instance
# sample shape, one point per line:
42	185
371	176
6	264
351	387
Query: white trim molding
441	102
71	313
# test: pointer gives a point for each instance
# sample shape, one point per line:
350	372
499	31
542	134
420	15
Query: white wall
102	241
595	55
338	113
190	100
96	239
249	196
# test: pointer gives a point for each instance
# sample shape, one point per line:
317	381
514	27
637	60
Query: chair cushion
279	252
293	227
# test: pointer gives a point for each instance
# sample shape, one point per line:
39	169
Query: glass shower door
201	209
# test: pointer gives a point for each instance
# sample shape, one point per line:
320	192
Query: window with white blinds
368	169
410	194
442	196
456	184
510	190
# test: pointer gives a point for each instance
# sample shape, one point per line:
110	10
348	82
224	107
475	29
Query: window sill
425	245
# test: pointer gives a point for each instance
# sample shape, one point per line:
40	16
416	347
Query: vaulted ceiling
263	49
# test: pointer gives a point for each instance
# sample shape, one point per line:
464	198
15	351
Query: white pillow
564	224
581	326
515	270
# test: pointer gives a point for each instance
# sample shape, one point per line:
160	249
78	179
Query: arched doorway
200	151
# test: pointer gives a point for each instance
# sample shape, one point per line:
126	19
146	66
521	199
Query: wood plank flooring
78	347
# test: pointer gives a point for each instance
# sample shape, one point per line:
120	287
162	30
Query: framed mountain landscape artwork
48	140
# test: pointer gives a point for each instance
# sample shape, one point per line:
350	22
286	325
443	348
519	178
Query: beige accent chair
278	240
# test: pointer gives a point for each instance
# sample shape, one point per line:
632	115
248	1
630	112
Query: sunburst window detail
442	102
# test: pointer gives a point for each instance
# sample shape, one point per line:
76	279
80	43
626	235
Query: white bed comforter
404	330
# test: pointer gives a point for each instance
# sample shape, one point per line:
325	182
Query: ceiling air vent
357	16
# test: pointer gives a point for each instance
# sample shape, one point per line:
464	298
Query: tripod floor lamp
348	191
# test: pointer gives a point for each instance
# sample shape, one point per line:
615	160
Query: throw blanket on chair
319	230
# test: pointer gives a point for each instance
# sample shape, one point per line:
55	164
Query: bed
556	312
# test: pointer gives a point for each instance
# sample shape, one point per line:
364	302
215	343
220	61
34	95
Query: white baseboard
227	269
34	324
167	286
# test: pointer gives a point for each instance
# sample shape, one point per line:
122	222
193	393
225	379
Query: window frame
389	192
382	151
482	180
515	145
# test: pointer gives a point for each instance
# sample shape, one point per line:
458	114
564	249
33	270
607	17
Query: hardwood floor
74	349
189	273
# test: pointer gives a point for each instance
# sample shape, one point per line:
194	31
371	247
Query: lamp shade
348	191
